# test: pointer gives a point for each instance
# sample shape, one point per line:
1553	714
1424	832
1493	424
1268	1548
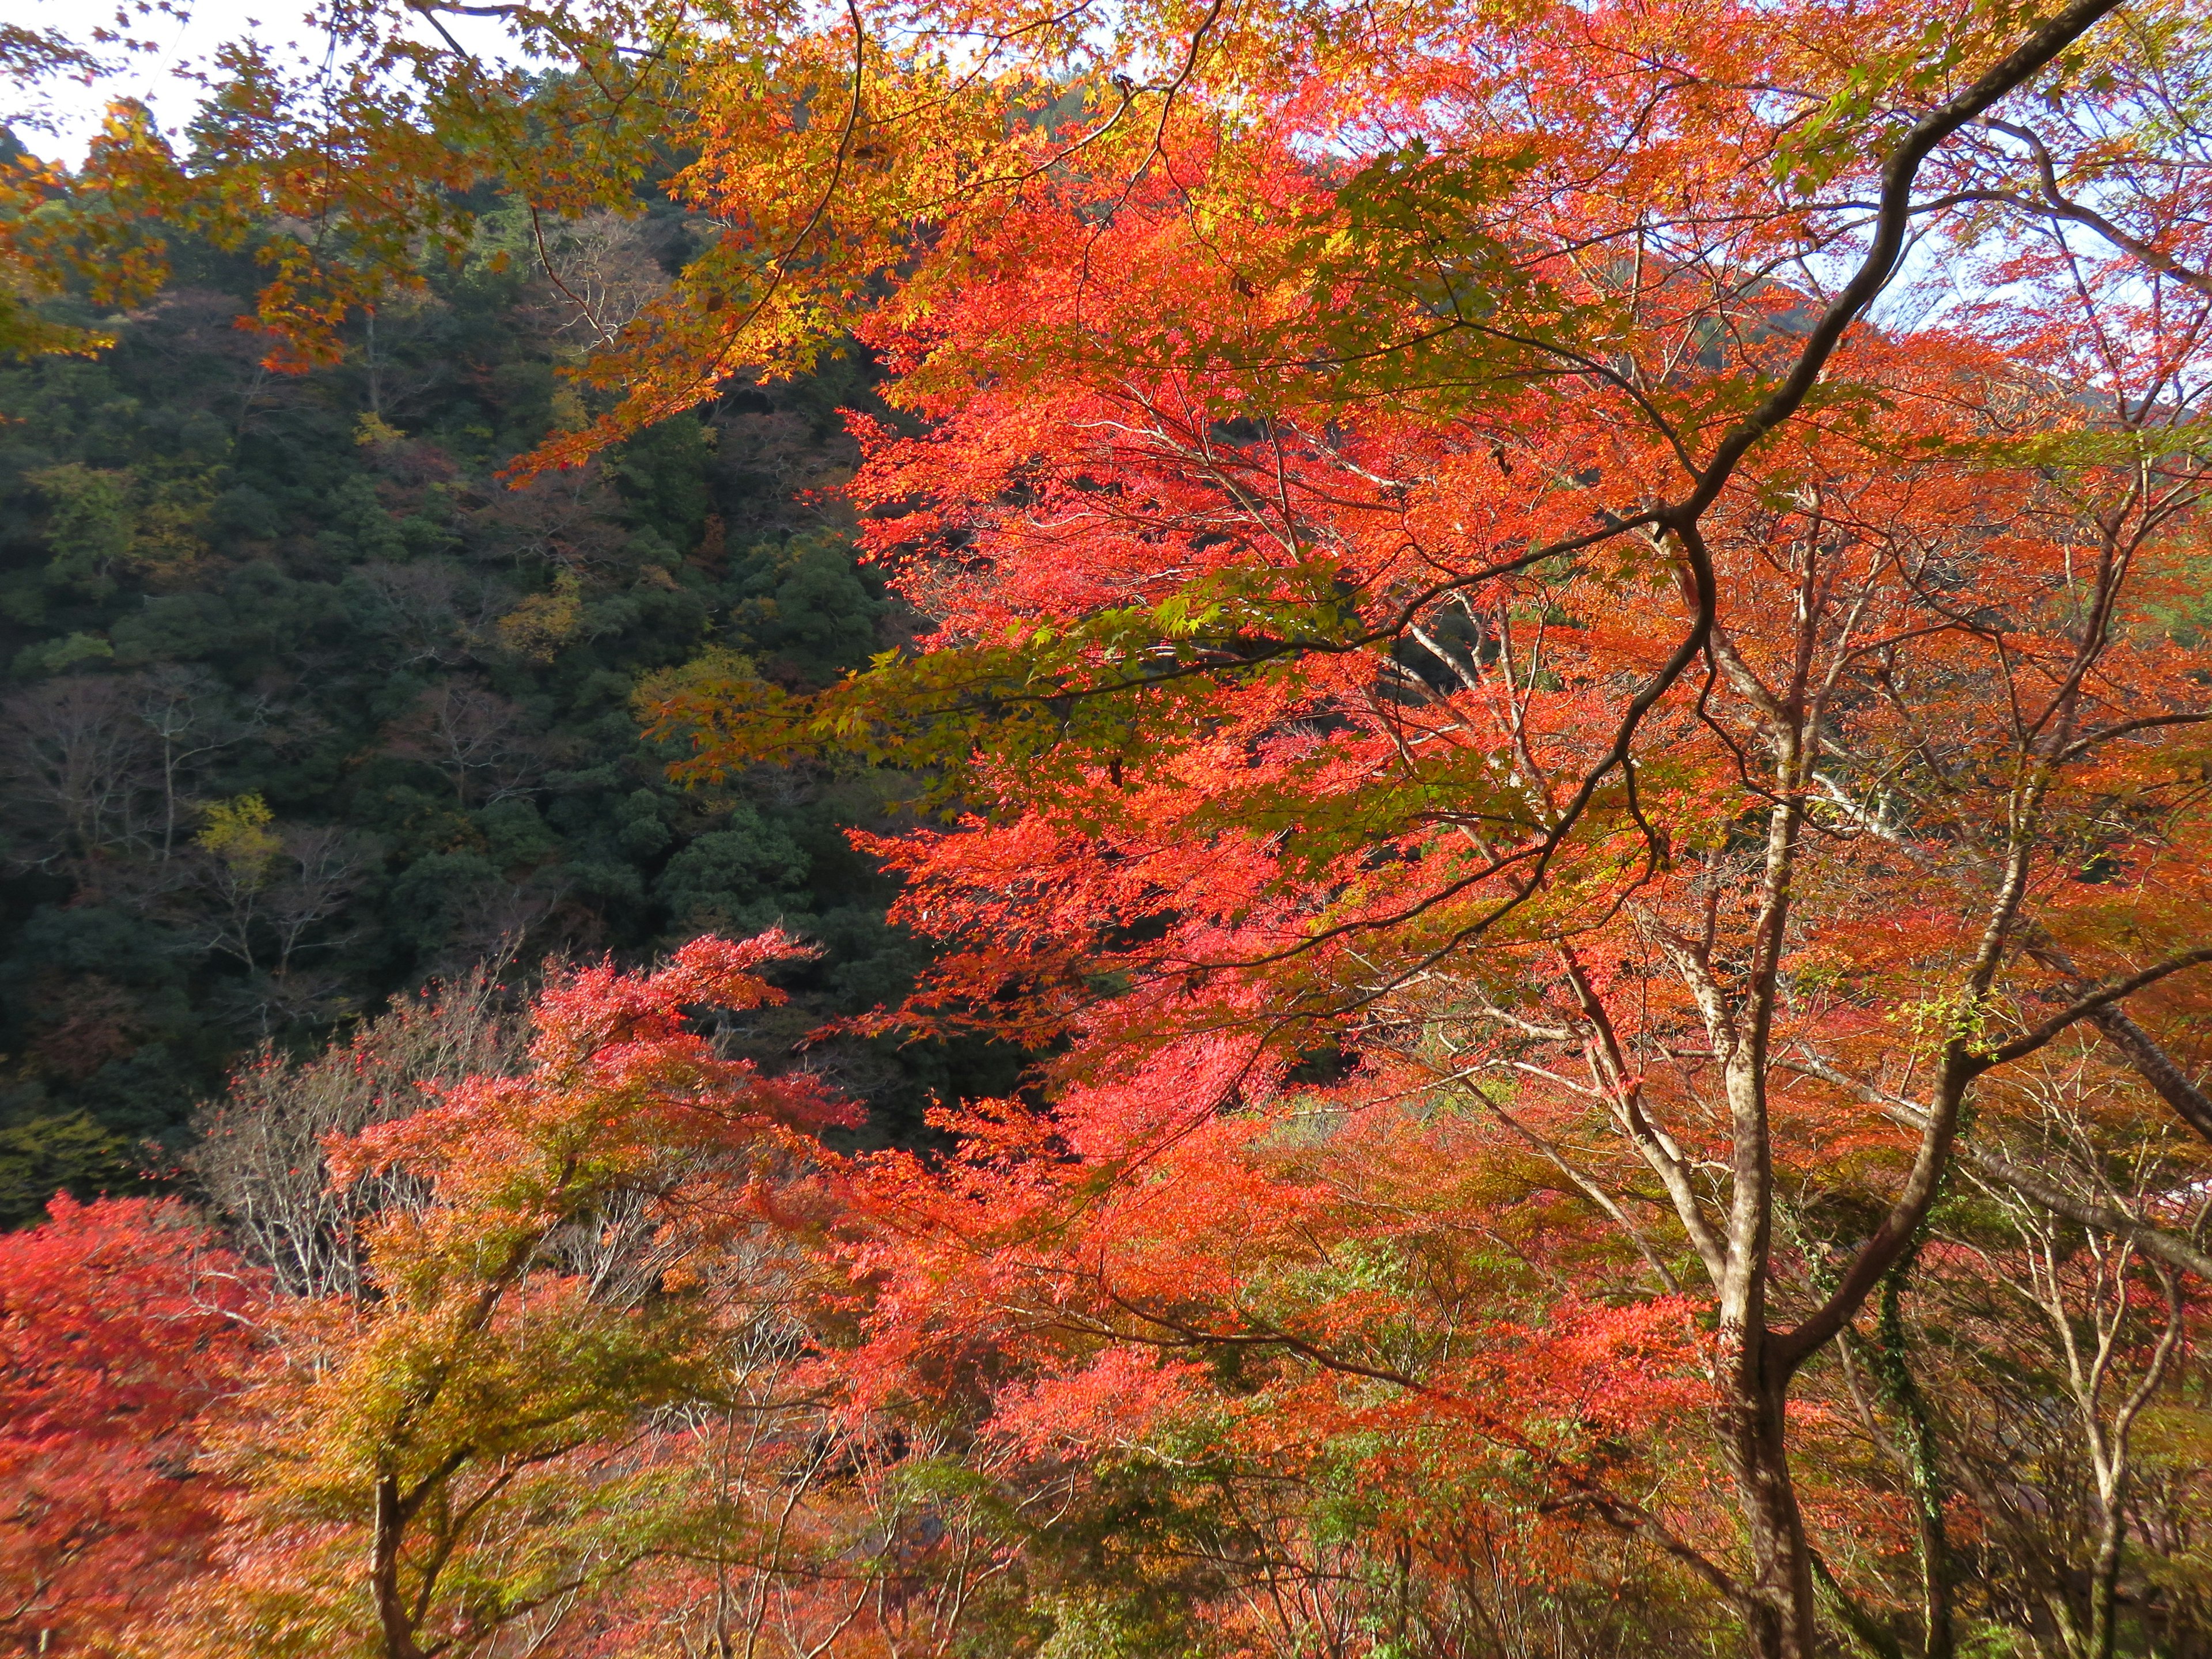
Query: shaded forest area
304	707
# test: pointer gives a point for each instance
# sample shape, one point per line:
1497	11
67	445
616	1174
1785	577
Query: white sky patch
56	119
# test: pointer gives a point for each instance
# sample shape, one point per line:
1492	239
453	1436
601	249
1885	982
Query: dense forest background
304	707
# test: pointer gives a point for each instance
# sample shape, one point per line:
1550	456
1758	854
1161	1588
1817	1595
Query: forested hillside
304	706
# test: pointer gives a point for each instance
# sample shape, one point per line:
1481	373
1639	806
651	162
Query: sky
58	118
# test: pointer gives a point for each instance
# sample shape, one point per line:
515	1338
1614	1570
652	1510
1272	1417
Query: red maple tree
123	1323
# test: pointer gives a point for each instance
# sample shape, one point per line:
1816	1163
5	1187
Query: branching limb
2087	1008
2029	1184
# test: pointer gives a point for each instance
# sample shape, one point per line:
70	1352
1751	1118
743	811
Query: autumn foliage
125	1325
1566	703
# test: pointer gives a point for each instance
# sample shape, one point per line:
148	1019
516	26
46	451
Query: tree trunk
1893	1368
393	1624
1779	1607
2105	1579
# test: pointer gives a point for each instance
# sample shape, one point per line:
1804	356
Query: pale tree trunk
1780	1604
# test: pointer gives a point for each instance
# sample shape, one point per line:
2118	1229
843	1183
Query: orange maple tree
466	1447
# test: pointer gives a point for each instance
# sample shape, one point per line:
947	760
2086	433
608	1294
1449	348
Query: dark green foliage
303	704
42	1156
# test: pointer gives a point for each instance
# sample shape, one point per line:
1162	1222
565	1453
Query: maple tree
1553	772
122	1323
1474	613
458	1449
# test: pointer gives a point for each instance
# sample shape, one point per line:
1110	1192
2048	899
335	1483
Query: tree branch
2085	1213
2087	1008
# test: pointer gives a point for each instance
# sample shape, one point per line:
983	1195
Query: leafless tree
81	771
2116	1318
190	719
263	912
596	274
98	767
499	917
473	735
396	379
430	612
565	520
260	1152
